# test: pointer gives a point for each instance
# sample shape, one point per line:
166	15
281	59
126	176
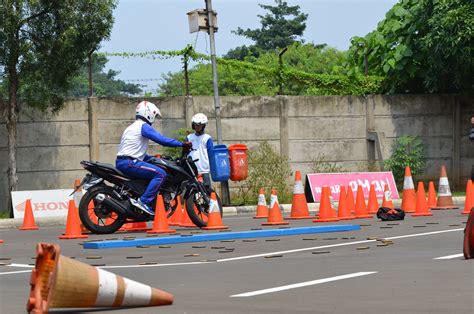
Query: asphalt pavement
410	266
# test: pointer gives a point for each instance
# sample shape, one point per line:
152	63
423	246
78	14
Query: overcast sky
144	25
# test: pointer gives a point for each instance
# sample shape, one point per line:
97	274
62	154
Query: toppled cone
60	282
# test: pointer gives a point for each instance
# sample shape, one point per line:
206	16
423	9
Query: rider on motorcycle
132	158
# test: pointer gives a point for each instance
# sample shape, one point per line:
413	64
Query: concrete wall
351	131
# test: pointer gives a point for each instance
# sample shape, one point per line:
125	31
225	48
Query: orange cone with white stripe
343	212
373	203
408	194
29	219
214	220
274	215
445	199
160	223
325	209
262	209
350	200
421	203
469	202
299	206
431	195
387	198
60	282
361	208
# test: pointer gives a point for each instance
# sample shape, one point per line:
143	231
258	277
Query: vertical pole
225	197
280	70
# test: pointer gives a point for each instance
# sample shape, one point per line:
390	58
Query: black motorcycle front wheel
95	216
198	208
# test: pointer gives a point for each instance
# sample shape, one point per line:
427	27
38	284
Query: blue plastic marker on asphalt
219	236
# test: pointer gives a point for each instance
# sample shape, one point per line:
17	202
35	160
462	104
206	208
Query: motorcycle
106	205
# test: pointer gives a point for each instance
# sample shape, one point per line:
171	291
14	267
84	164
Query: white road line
20	265
15	272
423	234
302	284
450	256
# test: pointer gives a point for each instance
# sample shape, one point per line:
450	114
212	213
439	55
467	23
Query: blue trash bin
219	163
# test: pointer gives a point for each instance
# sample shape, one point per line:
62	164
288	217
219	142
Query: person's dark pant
142	170
206	180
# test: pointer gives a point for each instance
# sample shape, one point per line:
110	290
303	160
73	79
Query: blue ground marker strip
218	236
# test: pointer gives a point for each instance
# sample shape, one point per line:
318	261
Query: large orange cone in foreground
445	199
468	249
325	210
262	209
387	198
421	203
214	220
160	223
60	282
361	208
373	203
28	219
177	216
431	195
73	224
343	212
409	194
299	207
274	215
469	202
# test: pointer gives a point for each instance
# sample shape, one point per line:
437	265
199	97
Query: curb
15	223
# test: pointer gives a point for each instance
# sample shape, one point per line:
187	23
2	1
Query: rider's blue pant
142	170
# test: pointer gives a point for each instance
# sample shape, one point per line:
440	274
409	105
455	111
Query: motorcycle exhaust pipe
110	202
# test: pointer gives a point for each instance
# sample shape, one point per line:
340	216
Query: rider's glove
187	146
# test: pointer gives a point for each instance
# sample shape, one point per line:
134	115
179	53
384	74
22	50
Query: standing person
132	158
202	146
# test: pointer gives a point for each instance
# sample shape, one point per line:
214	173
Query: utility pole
225	196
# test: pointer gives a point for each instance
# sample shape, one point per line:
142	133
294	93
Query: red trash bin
238	162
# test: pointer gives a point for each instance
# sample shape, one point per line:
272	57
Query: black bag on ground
388	214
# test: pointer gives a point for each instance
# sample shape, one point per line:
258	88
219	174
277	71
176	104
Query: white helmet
148	111
199	118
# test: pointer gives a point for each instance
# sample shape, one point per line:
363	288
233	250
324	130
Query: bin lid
221	147
238	146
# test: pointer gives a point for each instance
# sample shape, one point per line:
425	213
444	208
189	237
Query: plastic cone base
346	218
275	223
325	220
301	217
445	207
215	228
259	217
29	228
363	216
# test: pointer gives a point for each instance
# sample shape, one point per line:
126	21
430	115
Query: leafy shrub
407	151
320	164
267	169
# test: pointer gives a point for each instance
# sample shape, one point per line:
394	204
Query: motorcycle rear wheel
198	209
97	218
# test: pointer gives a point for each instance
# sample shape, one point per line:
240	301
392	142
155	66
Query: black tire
199	217
104	220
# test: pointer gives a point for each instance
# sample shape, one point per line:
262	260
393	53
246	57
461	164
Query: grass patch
4	215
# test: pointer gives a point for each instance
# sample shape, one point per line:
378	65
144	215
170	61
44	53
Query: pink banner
353	179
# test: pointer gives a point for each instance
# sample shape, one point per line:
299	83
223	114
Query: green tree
278	29
105	84
421	46
43	45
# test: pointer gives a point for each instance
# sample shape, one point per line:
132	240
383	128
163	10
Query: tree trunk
11	122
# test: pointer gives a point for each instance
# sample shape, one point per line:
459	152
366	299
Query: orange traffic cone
350	200
343	212
73	227
445	199
177	216
361	208
160	224
468	248
373	204
431	195
28	218
138	226
299	207
214	220
387	198
421	203
325	210
60	282
409	194
469	202
187	222
262	209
